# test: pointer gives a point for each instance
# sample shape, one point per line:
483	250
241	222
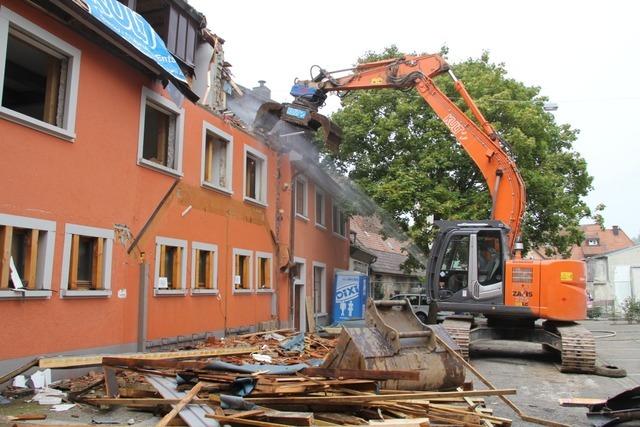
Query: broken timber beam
183	402
364	374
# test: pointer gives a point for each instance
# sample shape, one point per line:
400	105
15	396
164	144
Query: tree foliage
406	159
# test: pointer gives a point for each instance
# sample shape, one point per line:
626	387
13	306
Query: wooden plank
110	381
52	88
208	271
273	331
6	234
141	401
163	261
581	401
196	269
246	414
27	417
183	402
176	280
311	318
76	361
348	400
31	260
19	370
369	374
241	421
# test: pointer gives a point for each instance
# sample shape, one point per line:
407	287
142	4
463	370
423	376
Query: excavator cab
467	263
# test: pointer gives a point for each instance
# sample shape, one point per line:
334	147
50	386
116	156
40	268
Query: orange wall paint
95	181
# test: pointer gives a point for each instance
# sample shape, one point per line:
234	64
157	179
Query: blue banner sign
350	296
136	30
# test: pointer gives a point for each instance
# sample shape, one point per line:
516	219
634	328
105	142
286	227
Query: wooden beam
369	374
76	361
183	402
73	269
358	399
31	259
242	421
97	267
19	370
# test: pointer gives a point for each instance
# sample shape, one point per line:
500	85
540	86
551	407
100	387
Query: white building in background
613	277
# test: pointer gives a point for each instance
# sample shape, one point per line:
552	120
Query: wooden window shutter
196	253
208	163
73	265
208	280
6	233
177	265
30	263
163	261
267	273
97	267
245	273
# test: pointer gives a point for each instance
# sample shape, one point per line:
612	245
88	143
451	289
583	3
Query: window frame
209	247
8	19
208	128
263	176
305	203
45	260
82	230
269	256
166	106
178	243
323	294
241	252
322	224
335	208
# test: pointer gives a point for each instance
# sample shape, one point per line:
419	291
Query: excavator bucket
302	117
394	339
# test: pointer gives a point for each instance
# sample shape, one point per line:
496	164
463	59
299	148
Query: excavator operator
488	261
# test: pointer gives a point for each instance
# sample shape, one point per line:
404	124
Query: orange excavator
474	267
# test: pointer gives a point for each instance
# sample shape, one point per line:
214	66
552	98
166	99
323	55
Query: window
160	139
217	159
339	222
264	271
320	208
241	280
255	176
86	261
204	268
26	256
39	74
594	241
301	196
170	273
319	288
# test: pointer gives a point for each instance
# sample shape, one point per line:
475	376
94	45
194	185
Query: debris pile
272	378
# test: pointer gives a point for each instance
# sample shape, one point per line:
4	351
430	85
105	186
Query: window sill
169	292
321	227
36	124
35	293
210	186
340	236
98	293
242	291
322	315
302	217
200	291
159	168
265	291
255	202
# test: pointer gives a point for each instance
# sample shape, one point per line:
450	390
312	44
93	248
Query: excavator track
578	347
459	330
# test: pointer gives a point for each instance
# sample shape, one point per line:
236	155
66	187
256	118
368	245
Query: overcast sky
585	55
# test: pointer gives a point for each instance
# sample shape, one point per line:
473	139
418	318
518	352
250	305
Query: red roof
598	241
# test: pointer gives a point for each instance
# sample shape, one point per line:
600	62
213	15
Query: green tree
405	158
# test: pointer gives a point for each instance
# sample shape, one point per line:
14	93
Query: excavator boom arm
480	142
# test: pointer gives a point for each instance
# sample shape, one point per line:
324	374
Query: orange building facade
129	220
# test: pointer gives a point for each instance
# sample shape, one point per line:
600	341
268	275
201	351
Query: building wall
614	277
95	181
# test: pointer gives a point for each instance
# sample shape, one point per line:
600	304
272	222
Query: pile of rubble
269	379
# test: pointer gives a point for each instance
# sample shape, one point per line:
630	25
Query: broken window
20	269
86	269
39	78
218	152
320	208
319	289
204	267
255	176
26	256
241	270
264	269
161	133
301	196
339	221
